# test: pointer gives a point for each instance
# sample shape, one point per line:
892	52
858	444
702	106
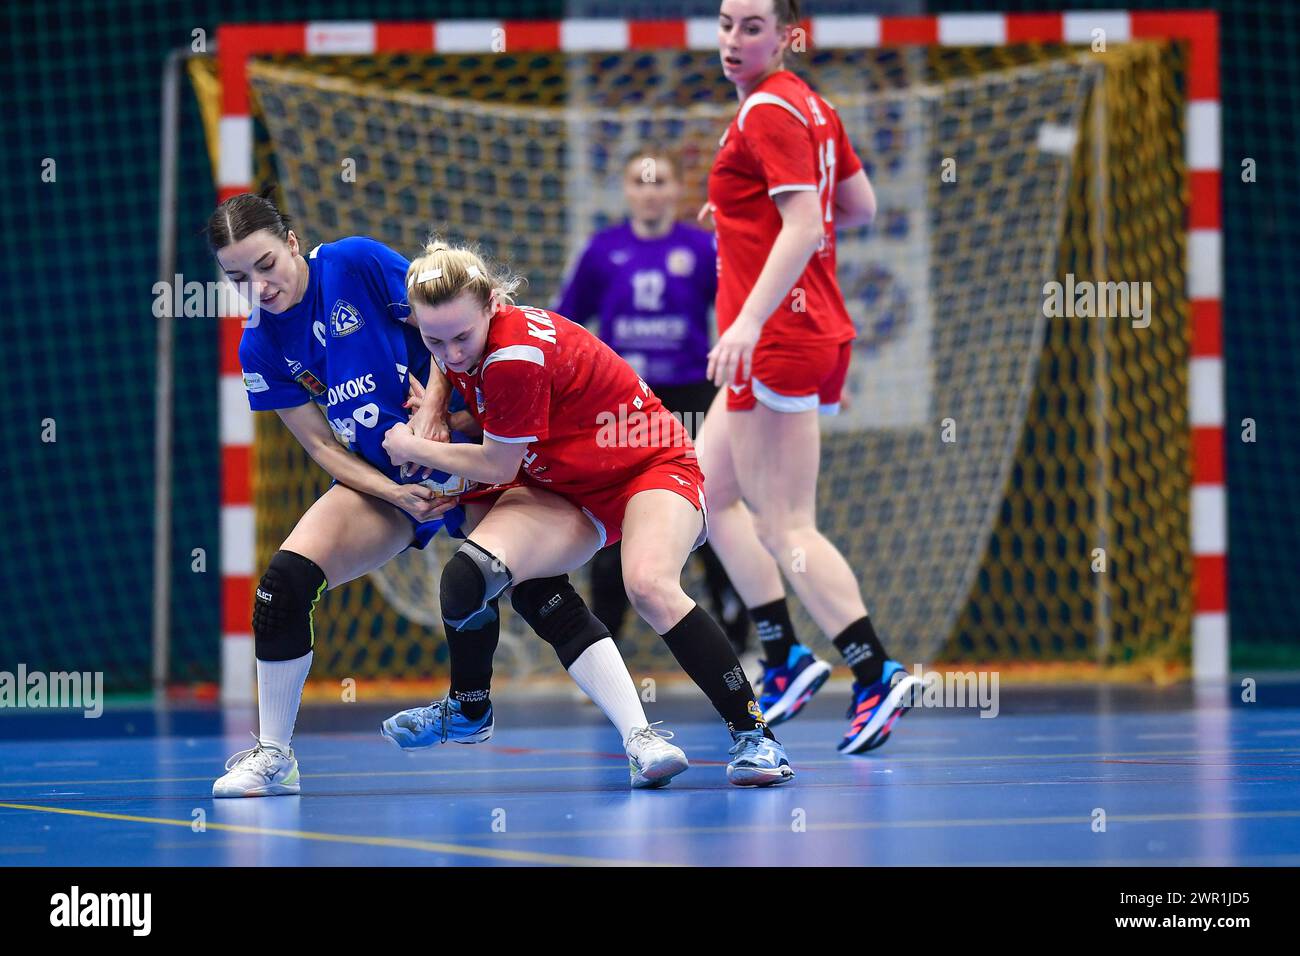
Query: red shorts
605	508
680	475
793	378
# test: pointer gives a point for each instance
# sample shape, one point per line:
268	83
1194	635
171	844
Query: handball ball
447	486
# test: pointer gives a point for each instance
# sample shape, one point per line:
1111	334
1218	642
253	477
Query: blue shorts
425	531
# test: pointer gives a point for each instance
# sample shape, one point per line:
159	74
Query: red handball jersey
590	422
783	138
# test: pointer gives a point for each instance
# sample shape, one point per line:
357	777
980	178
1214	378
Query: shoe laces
258	758
649	734
436	711
746	740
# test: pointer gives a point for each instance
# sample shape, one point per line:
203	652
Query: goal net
1010	484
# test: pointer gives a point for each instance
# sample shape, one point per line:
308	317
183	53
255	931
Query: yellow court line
514	856
840	761
1080	820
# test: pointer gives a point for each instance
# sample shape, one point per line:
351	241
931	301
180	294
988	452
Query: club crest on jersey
307	380
681	261
344	320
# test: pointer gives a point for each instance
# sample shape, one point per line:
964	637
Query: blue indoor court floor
1182	779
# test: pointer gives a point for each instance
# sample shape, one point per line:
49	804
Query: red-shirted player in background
785	173
552	397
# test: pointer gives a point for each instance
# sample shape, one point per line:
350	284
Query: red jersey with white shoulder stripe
784	138
588	419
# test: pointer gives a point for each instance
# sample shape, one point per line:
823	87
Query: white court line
1166	736
1045	738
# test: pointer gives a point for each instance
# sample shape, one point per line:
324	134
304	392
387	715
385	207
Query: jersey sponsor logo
352	388
255	382
671	327
344	319
619	257
540	325
315	387
293	366
367	416
738	389
681	261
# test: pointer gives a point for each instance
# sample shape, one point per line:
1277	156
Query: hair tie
425	276
474	272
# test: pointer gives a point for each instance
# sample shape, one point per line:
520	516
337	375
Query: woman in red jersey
784	175
554	399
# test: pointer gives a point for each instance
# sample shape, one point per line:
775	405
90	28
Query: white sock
603	677
279	693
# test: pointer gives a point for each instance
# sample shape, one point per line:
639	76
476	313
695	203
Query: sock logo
734	678
856	654
756	713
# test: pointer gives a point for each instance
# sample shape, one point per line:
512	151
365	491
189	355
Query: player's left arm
855	201
801	233
491	463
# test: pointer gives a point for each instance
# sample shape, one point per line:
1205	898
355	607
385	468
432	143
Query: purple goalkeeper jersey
652	297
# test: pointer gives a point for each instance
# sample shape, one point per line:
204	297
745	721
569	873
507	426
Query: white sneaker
264	771
651	759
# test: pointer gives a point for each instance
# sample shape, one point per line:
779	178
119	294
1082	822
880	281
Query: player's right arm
314	434
270	388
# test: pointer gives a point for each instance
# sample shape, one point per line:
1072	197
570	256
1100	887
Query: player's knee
775	535
652	589
559	616
282	607
471	583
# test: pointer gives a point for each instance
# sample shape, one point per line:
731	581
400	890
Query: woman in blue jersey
649	283
330	337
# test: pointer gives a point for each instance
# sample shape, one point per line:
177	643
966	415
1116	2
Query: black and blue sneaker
876	707
788	686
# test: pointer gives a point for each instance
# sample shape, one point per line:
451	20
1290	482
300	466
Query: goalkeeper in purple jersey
649	283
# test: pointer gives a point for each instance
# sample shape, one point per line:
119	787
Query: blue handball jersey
346	346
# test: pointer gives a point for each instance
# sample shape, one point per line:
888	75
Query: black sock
862	651
471	653
774	630
703	651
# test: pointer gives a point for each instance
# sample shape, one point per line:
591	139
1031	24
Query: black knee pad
560	617
282	607
471	583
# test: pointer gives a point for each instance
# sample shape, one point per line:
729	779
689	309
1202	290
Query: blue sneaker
438	723
875	708
757	760
787	687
